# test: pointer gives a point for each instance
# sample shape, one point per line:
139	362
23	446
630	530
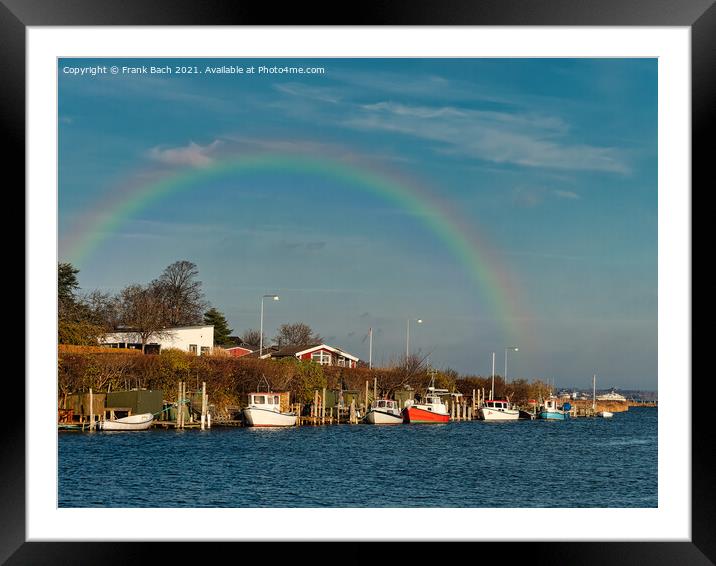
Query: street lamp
514	349
407	339
261	339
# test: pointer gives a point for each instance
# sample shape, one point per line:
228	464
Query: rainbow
461	239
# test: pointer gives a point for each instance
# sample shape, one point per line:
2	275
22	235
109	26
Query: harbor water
584	462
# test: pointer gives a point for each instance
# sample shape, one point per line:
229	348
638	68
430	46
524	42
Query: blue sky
552	161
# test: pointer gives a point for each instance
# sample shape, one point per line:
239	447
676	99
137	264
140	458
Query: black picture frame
698	15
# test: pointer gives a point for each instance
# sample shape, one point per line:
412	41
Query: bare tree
296	334
141	309
181	293
252	337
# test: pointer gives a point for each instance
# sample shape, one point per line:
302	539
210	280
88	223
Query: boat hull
381	417
553	416
135	422
418	415
263	417
487	414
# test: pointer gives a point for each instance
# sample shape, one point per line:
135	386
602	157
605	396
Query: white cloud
566	194
500	137
193	155
299	89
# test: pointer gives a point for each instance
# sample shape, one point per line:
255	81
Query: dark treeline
173	299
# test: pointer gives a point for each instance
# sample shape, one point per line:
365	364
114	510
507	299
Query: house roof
307	348
247	348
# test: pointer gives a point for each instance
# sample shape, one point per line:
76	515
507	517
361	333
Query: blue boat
550	411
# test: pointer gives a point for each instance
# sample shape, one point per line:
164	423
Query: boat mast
492	391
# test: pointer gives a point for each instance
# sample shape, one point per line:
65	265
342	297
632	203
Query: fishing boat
498	410
264	408
550	410
433	410
133	422
384	411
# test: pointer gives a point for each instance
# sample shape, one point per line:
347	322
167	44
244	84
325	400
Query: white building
198	340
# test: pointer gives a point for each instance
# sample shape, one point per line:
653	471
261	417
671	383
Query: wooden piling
91	410
323	407
353	417
208	414
203	404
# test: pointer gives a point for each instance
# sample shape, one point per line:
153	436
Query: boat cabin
551	404
385	405
269	401
497	404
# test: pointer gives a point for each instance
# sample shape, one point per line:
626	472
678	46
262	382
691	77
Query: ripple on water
578	463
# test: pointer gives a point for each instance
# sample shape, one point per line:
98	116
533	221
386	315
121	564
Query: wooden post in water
183	396
375	388
208	414
366	395
473	402
203	404
353	418
323	407
91	410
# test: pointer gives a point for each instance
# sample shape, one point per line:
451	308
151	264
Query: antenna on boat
263	380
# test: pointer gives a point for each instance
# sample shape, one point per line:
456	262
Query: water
578	463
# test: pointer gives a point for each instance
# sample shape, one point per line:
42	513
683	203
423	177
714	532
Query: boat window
276	400
260	399
269	400
381	403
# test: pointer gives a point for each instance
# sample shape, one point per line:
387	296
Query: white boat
264	409
498	410
134	422
603	414
384	411
611	396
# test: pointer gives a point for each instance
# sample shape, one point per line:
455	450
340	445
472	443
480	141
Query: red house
320	353
238	351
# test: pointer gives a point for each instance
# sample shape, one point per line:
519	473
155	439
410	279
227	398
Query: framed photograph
255	242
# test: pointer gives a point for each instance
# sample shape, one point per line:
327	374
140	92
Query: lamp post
407	339
514	349
261	339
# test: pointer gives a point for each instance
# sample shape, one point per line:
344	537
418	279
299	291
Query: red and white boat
433	410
